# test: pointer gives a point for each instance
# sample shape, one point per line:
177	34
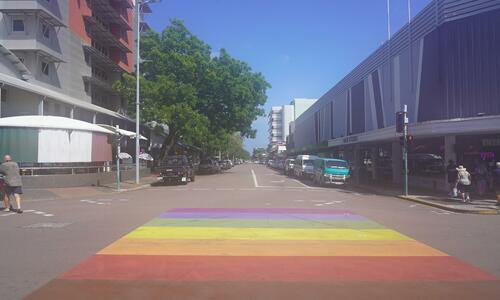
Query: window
18	25
46	30
45	68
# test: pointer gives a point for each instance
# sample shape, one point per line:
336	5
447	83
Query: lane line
255	183
305	185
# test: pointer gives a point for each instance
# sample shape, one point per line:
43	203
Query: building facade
61	57
444	66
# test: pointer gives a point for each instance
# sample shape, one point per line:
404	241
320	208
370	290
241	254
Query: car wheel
192	179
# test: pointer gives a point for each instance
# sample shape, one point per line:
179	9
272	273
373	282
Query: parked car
289	163
331	171
304	166
176	169
209	166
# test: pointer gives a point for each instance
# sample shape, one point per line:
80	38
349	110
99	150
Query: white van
304	166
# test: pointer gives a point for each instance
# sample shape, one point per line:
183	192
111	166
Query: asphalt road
249	233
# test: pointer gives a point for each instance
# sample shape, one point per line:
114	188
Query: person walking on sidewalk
481	177
3	194
464	183
13	180
496	181
451	172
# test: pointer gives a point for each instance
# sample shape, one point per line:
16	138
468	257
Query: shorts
464	188
9	190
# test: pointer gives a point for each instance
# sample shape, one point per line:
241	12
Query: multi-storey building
281	120
61	57
445	68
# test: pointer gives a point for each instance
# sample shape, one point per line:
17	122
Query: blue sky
303	48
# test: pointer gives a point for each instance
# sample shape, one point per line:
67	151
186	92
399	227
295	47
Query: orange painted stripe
274	268
137	246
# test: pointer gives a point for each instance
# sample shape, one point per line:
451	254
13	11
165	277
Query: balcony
101	59
100	84
108	12
102	34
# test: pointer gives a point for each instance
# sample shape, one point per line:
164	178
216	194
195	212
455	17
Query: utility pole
118	151
402	127
137	91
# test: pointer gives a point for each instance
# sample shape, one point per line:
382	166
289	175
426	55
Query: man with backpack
464	183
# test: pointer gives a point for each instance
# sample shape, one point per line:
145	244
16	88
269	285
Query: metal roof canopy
123	132
100	84
36	89
42	14
18	64
49	57
51	122
100	32
104	9
102	59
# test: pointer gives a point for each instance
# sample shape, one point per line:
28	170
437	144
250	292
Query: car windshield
174	161
308	162
336	164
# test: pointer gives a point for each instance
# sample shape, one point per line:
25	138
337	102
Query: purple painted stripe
262	216
262	210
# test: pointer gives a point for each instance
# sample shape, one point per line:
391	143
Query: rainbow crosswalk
268	253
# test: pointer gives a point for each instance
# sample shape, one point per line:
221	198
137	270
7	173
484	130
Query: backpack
464	177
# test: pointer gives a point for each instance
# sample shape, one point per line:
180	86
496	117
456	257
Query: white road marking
299	182
8	214
255	183
224	189
201	189
29	210
278	181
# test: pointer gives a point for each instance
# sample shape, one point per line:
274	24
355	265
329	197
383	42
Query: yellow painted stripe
226	233
138	246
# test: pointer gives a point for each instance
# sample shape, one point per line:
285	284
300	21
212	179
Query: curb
448	208
141	187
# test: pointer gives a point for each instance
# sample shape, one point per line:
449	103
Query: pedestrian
481	177
13	182
463	183
451	171
3	194
496	181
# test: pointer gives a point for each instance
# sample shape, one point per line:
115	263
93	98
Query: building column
72	112
397	162
94	118
357	163
374	154
449	152
41	104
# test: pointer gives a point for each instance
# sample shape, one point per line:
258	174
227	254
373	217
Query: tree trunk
167	145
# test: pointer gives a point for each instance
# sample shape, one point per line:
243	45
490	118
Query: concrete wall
94	179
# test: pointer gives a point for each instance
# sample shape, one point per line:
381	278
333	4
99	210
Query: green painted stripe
240	223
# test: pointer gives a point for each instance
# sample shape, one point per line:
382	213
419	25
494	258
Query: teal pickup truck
331	171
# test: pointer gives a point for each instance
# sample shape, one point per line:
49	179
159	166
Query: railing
44	169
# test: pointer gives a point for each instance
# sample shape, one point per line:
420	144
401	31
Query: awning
36	89
51	122
123	132
46	16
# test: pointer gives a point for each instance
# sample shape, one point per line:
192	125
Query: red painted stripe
225	268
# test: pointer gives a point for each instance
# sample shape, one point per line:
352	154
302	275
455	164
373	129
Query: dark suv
176	169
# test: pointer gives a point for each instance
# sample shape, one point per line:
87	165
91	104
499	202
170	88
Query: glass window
336	164
308	162
18	25
45	68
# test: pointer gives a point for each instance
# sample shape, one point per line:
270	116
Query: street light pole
137	91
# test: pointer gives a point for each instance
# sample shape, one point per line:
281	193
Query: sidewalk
86	191
434	199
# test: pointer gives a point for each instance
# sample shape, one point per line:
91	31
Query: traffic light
400	121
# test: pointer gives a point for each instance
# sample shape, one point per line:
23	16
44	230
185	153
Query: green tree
203	99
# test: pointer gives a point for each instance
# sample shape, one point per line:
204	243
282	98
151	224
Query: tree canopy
204	99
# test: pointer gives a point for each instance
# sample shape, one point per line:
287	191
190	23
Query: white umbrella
124	155
145	156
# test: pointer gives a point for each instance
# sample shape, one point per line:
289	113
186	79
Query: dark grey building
445	66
